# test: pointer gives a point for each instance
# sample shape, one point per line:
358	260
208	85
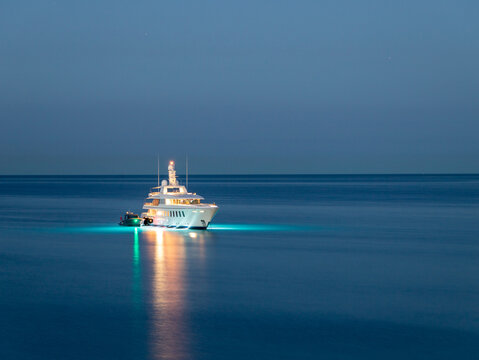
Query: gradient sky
101	87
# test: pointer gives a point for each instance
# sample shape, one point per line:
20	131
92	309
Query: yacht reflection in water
167	253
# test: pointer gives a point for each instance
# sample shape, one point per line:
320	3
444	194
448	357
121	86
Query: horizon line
263	174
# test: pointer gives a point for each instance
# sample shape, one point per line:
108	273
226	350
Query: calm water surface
294	267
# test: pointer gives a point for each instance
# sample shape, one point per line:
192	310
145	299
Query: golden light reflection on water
167	253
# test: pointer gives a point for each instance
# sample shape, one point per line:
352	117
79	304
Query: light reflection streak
164	254
169	333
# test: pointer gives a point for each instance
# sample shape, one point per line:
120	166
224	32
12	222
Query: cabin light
193	235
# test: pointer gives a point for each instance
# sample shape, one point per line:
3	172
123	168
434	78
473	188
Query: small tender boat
130	219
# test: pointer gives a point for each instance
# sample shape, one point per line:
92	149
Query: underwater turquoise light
211	228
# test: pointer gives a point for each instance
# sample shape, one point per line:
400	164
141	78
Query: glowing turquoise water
366	267
112	228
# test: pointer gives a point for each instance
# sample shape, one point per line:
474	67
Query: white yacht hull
181	217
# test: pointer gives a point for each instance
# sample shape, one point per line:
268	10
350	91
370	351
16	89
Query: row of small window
171	213
156	202
177	213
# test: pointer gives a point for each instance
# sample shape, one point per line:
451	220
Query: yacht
171	205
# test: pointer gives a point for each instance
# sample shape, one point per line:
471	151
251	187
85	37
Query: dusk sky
102	87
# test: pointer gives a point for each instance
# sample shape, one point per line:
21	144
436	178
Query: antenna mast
158	170
187	171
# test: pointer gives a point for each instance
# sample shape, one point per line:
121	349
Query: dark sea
293	267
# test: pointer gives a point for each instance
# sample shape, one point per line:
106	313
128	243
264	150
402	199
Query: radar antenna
172	173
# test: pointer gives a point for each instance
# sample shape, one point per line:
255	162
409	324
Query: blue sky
241	87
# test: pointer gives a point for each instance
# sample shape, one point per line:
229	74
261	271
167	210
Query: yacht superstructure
171	205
